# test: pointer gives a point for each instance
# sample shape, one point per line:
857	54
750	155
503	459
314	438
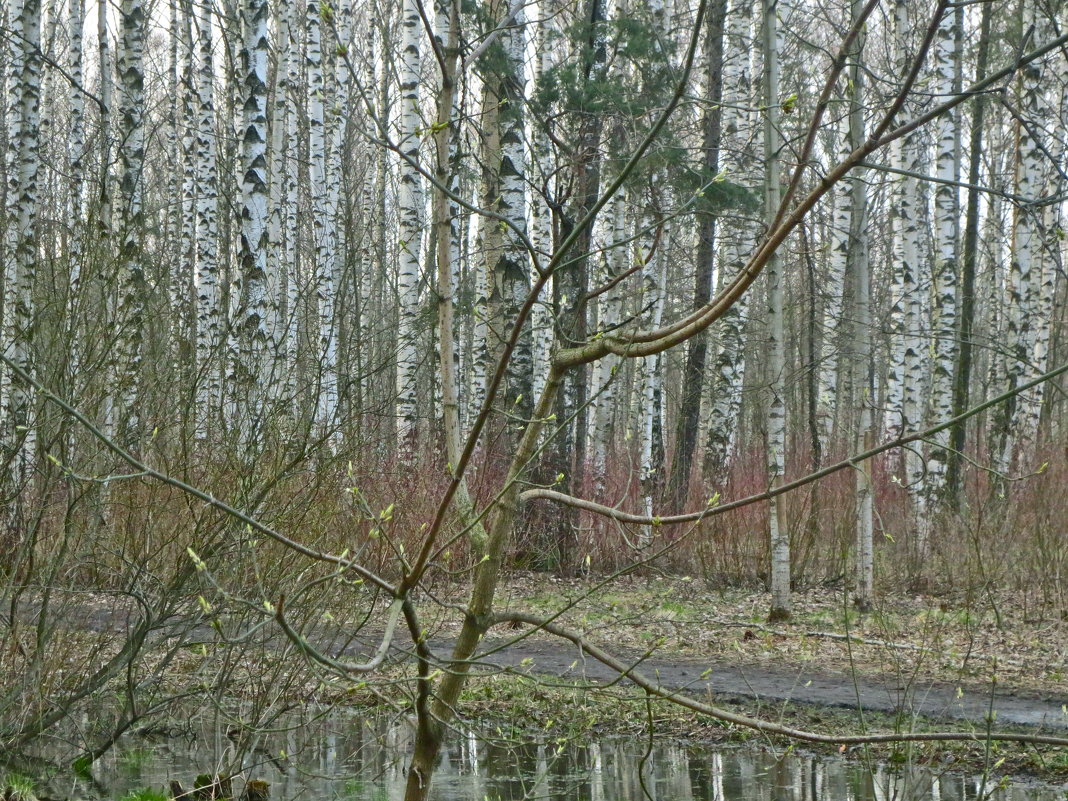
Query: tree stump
256	790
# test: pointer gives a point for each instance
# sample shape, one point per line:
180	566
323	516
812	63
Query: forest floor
1007	638
918	662
936	656
942	658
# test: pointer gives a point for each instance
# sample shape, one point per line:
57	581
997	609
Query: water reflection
350	758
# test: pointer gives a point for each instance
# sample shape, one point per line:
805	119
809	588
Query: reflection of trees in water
346	756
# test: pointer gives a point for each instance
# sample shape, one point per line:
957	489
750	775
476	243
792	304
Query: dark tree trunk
678	487
963	367
570	287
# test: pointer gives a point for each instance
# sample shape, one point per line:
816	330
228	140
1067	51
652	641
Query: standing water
348	757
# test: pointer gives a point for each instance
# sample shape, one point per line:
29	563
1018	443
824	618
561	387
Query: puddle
344	756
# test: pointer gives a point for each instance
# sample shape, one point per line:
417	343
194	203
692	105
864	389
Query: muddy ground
958	659
948	659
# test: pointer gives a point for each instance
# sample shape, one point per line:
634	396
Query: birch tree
23	166
1021	307
650	438
944	285
779	532
409	210
610	307
654	291
76	165
863	363
280	251
128	368
208	298
907	369
507	262
962	375
254	336
288	179
728	369
833	290
543	172
1045	178
323	232
688	425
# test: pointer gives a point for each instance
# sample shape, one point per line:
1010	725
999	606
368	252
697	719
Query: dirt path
778	687
775	685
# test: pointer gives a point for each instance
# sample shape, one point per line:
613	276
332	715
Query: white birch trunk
728	364
23	166
907	374
779	534
281	151
863	367
1025	266
338	208
905	377
507	265
252	320
605	382
369	263
290	198
106	91
322	221
541	322
76	153
128	369
410	212
178	234
513	269
947	236
208	298
654	286
480	350
833	288
187	248
653	279
1039	110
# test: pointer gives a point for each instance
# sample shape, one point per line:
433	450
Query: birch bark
504	192
209	306
1022	302
290	200
23	166
863	361
779	534
541	216
322	230
128	369
834	287
728	368
280	152
76	152
688	428
947	235
605	381
253	333
410	212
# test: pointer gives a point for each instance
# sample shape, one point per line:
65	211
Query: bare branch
765	726
345	668
164	478
851	461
